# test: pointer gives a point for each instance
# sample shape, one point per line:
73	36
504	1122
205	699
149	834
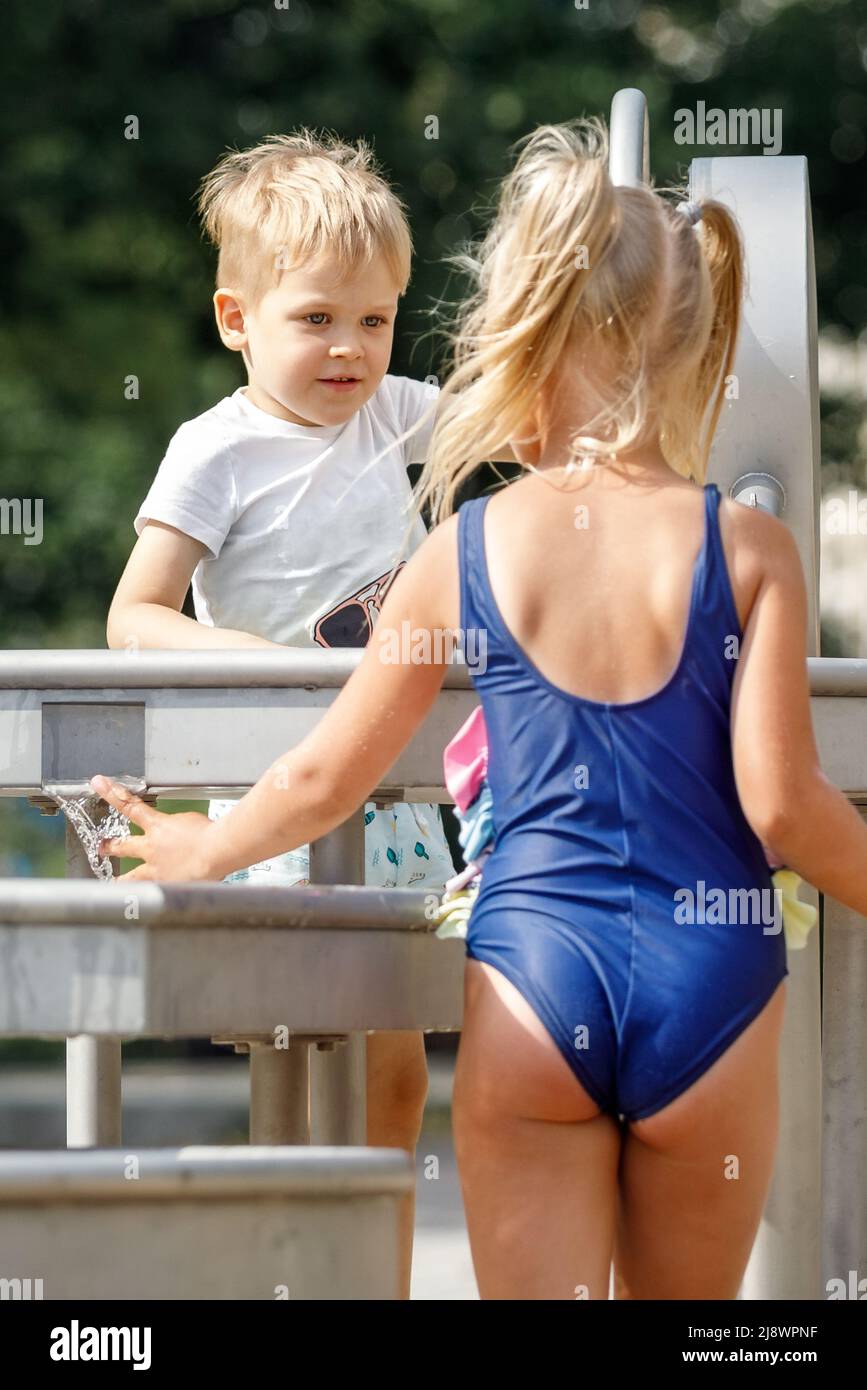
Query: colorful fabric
405	847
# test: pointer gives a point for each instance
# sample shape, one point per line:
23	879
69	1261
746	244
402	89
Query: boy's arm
146	608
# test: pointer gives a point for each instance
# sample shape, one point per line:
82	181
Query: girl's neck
647	463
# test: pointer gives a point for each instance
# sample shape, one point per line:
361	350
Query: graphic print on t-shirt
350	622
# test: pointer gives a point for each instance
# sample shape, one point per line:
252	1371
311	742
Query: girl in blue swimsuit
639	651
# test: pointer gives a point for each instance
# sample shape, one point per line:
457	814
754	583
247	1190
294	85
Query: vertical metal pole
339	1093
772	427
785	1261
844	1059
339	1077
279	1093
93	1065
296	1099
629	138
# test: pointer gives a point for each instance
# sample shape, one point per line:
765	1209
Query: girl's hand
173	847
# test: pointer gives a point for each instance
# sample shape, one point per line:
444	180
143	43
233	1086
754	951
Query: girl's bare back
594	580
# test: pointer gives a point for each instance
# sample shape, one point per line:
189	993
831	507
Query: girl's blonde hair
617	274
292	198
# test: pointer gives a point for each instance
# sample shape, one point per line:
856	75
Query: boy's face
307	331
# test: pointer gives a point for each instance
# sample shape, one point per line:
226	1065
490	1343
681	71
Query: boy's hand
172	847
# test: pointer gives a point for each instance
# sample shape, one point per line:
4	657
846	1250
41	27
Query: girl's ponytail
720	240
613	284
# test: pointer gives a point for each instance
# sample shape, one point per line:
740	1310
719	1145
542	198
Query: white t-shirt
301	527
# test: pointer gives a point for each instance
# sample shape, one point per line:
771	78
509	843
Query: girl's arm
317	785
145	611
790	804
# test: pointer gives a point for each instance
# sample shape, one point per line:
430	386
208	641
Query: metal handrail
71	902
85	669
193	1174
294	668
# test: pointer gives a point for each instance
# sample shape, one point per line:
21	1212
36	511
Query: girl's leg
397	1084
694	1176
537	1159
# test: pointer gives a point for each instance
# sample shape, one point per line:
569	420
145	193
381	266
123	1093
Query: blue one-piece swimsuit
616	825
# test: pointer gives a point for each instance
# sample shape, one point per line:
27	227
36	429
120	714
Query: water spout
81	807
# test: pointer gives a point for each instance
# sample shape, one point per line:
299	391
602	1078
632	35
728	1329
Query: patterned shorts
405	847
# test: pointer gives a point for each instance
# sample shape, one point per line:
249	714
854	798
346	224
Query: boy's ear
231	325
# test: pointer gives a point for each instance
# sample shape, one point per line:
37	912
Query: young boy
265	500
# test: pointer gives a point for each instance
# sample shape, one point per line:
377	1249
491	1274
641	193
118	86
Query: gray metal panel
839	724
73	733
143	982
770	425
773	426
203	741
61	981
785	1262
215	1223
341	1249
844	1054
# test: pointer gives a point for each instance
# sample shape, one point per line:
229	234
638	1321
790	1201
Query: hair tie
692	210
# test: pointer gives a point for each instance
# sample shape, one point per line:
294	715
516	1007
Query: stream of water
82	811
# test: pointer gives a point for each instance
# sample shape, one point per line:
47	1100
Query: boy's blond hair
293	198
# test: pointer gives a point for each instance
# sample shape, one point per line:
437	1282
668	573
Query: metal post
339	1092
339	1076
279	1093
93	1065
785	1260
844	1060
629	139
770	426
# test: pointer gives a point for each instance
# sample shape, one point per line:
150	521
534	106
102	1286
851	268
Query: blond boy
266	503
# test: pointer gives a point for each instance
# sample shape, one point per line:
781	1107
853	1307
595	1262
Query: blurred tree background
106	274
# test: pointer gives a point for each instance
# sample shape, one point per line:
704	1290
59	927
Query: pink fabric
465	760
469	874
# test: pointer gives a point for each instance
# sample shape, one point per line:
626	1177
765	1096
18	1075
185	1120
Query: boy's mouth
340	383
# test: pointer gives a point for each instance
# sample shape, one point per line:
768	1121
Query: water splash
82	811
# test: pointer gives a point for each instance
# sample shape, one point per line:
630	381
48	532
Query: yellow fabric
798	918
454	911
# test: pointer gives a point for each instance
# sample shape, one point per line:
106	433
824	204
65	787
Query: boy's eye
369	320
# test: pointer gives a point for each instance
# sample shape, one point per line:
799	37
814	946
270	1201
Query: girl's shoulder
756	544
